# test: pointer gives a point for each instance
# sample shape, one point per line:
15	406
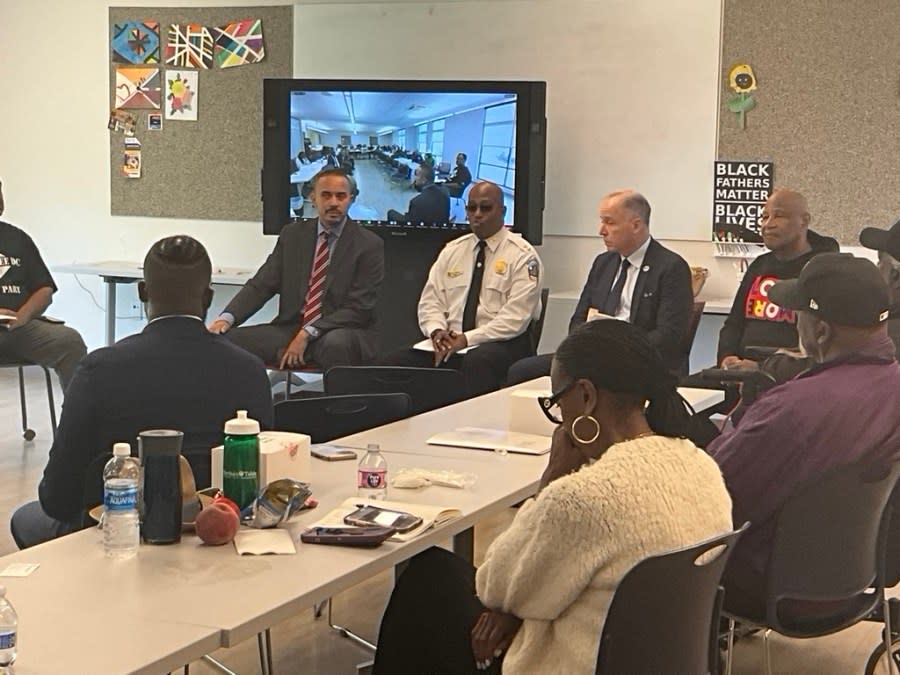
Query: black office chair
664	615
428	388
328	417
536	328
21	364
826	569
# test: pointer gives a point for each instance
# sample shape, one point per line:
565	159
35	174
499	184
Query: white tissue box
282	454
525	415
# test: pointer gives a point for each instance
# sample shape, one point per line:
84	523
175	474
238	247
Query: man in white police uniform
481	296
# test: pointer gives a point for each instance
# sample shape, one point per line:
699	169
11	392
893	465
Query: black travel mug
160	453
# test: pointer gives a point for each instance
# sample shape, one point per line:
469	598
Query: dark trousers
30	526
428	620
529	369
338	347
483	368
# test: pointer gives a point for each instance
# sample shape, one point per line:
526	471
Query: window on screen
498	143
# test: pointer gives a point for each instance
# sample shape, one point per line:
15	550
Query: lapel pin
646	268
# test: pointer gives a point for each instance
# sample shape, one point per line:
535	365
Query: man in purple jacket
843	410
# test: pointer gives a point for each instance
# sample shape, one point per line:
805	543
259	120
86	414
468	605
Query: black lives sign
740	191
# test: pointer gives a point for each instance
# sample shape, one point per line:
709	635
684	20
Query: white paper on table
250	541
427	345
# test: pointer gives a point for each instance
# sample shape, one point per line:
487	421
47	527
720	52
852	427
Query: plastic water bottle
9	622
121	523
372	475
240	460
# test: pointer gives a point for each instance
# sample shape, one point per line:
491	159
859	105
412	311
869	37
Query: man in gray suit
327	273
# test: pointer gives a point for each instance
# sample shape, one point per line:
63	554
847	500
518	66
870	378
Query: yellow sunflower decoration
742	80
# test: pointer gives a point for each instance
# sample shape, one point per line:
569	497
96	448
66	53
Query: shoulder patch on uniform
534	268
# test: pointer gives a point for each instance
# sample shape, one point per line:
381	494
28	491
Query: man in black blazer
431	206
636	280
173	375
330	322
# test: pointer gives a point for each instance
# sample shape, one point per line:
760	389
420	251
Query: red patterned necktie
312	307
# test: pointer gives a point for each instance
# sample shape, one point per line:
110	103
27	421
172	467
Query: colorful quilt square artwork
182	90
190	46
137	88
239	43
135	42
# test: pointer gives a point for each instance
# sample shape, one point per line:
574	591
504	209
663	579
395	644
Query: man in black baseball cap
887	243
842	410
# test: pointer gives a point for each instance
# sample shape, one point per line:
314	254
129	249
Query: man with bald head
173	375
482	294
637	280
755	320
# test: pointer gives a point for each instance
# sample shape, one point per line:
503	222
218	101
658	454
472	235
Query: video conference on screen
412	155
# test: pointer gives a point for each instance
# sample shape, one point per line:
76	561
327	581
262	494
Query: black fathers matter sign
739	192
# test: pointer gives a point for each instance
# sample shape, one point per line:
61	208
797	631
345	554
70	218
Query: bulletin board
208	168
827	104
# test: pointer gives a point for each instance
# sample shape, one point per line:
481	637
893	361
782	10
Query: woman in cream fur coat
621	485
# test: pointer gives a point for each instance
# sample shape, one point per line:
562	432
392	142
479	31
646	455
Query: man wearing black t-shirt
26	290
755	320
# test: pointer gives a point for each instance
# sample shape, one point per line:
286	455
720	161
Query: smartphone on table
367	515
368	537
331	453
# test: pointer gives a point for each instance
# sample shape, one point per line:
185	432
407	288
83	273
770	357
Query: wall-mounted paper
137	88
239	43
190	46
135	42
182	90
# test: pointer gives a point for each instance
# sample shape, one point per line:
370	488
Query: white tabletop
306	171
175	603
130	270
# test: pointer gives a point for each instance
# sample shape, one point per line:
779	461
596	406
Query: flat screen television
405	140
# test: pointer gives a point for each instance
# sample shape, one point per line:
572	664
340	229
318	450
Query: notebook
431	516
478	438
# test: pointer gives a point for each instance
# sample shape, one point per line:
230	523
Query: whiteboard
632	87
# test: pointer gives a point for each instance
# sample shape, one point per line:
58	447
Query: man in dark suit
174	374
327	274
431	206
637	280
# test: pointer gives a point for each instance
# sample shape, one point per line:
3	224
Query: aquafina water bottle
372	475
121	523
9	623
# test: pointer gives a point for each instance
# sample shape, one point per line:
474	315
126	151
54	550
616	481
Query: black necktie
474	289
614	299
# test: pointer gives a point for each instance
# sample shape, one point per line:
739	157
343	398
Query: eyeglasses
547	403
472	207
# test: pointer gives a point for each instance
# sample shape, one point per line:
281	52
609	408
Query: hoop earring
592	438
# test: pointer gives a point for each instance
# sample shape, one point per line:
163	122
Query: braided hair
618	358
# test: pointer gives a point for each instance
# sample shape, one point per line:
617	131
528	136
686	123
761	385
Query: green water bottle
240	464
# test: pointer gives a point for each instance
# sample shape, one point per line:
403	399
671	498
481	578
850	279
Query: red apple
217	524
220	498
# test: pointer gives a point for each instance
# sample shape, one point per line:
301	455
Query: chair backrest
693	324
537	325
827	545
325	418
664	614
428	388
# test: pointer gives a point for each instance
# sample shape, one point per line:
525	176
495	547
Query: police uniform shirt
510	290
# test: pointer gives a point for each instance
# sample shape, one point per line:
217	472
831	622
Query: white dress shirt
636	261
510	290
